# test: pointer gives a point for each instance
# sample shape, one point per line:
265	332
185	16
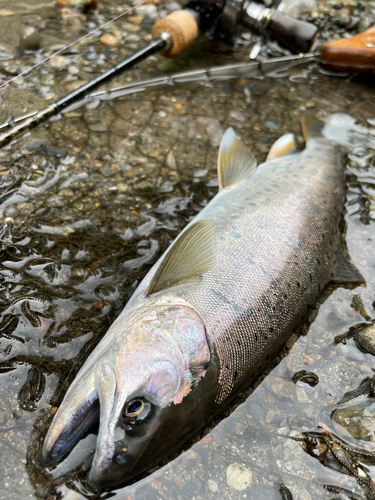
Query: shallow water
90	201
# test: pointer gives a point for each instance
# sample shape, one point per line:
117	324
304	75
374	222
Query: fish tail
312	127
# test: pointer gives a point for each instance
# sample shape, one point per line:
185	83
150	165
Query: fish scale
292	210
221	301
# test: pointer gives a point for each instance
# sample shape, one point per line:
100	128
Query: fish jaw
78	412
150	371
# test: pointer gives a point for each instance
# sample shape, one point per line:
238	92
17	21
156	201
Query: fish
217	306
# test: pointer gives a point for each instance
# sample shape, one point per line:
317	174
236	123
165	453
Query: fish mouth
67	429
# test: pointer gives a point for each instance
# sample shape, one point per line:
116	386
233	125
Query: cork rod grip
183	29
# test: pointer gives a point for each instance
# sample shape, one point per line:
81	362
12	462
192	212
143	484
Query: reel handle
298	36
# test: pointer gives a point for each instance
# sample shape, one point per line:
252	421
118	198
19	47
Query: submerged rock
77	4
238	477
30	39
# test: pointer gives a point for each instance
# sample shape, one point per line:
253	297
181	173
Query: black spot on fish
235	375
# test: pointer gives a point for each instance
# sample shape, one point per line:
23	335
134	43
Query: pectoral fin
193	253
235	162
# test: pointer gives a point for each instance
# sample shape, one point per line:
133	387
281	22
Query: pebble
238	477
171	160
6	13
77	4
26	208
304	495
109	40
135	19
291	341
302	396
5	54
212	485
237	115
71	87
281	387
342	18
11	211
150	11
239	428
131	27
4	417
56	201
68	193
122	187
213	128
30	39
59	62
270	415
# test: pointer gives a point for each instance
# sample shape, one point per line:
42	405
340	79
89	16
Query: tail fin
311	127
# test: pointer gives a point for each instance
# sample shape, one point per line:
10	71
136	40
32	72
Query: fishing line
73	43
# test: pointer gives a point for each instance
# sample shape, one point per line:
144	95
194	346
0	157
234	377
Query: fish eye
134	408
137	410
138	416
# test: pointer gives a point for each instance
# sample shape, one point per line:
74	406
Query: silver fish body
184	347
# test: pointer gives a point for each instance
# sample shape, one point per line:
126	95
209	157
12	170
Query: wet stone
55	201
30	39
281	387
212	486
302	396
66	192
11	211
238	477
109	40
239	428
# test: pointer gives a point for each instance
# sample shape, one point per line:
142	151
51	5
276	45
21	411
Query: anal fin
345	272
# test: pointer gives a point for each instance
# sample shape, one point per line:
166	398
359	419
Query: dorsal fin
285	145
193	253
235	161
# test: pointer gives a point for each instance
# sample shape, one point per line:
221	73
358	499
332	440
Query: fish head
133	386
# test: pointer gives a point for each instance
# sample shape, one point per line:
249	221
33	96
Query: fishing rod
174	33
